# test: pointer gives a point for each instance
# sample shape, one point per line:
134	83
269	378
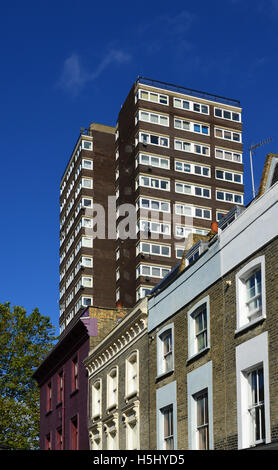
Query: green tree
24	342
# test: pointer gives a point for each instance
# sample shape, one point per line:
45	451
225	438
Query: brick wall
223	342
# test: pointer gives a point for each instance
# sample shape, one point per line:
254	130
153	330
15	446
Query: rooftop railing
188	91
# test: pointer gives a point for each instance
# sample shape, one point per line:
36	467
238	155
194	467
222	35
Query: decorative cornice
132	332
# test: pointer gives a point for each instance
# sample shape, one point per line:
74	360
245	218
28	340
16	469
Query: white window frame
140	160
83	301
190	147
96	397
226	152
85	244
148	226
251	355
191	127
112	400
184	228
170	437
151	201
191	105
233	201
85	223
192	168
90	180
88	199
242	276
205	425
231	131
229	111
90	265
117	294
150	252
160	353
140	139
84	164
135	378
84	141
220	213
166	396
233	173
141	292
185	210
161	98
179	248
87	279
149	115
191	319
192	189
152	268
199	380
140	182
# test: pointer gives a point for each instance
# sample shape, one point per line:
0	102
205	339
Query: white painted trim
250	354
191	327
159	345
240	291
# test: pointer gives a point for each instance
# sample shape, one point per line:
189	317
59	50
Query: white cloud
167	31
74	76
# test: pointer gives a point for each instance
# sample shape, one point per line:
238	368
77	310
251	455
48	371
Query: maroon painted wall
74	403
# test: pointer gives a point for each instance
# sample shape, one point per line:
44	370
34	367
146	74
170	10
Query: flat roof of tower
188	91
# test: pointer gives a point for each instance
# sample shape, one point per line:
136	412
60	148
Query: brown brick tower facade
178	158
89	179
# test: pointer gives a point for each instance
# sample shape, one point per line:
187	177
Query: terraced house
213	335
118	385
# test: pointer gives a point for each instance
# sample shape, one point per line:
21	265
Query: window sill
164	375
249	325
96	417
111	408
131	395
198	354
48	412
59	404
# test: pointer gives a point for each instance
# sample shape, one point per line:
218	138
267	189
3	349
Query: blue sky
67	63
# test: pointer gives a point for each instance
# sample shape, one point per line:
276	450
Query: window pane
165	250
154	118
156	249
163	99
218	133
154	97
154	139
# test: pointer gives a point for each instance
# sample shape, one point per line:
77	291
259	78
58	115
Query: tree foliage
24	342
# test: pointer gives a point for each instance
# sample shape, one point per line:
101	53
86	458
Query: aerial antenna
253	147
